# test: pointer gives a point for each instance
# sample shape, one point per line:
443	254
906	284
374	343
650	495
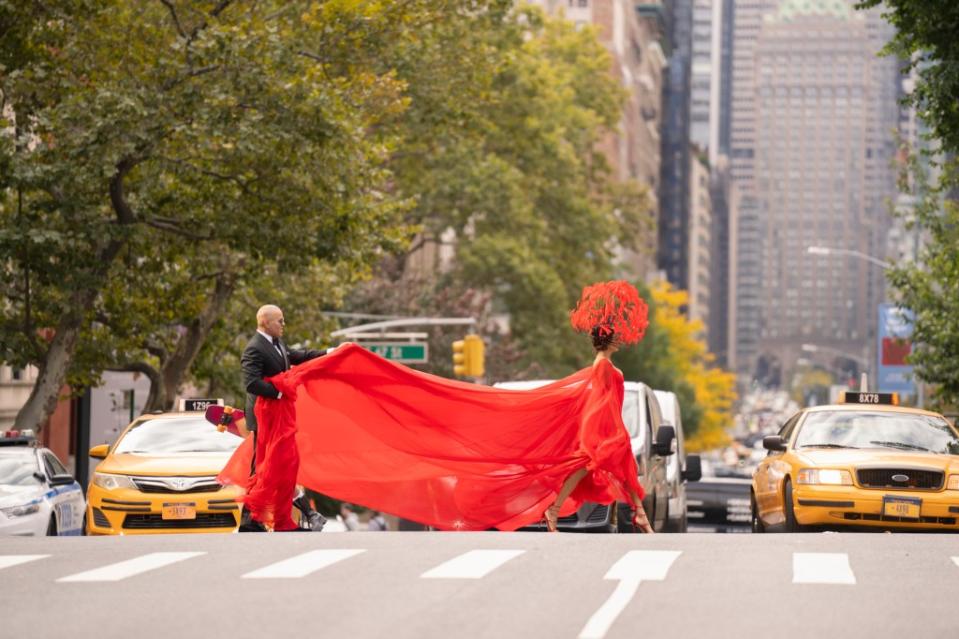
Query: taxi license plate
179	511
906	507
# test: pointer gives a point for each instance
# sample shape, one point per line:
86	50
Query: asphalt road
491	585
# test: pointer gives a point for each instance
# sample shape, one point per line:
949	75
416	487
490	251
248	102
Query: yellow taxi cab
160	477
865	463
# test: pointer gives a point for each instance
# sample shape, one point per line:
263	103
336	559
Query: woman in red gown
454	455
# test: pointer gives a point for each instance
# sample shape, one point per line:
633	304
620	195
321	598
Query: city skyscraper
693	233
813	114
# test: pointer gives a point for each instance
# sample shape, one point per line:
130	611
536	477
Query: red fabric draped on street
450	454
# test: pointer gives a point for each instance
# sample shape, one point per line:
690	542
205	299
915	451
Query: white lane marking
302	565
131	567
822	568
633	568
956	560
474	564
8	561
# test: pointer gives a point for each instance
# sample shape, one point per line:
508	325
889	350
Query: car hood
165	465
18	495
877	458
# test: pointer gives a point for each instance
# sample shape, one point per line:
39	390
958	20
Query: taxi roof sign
198	404
876	399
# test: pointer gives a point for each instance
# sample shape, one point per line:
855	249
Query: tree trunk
188	346
153	375
58	358
53	370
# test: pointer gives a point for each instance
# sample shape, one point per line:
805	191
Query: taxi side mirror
100	452
774	443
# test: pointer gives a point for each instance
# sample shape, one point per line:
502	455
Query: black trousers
253	458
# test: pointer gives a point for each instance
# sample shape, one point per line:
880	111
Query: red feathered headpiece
614	307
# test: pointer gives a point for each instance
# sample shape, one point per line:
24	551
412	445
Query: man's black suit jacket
261	359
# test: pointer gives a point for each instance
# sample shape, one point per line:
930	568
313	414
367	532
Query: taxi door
769	477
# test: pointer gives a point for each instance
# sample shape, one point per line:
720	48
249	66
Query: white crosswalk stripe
131	567
474	564
956	560
302	565
822	568
9	561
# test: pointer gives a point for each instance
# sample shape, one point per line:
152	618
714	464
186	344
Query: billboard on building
895	344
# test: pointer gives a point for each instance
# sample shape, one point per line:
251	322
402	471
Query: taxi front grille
892	478
946	521
156	522
158	488
99	519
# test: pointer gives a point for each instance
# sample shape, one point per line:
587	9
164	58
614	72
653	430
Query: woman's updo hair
602	339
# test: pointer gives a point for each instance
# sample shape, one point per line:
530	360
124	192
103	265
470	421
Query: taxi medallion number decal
179	511
905	507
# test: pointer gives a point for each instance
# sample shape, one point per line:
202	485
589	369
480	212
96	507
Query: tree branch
176	230
176	19
125	214
152	374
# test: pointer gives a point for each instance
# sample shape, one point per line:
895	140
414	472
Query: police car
37	494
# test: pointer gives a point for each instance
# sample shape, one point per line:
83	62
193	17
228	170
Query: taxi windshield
899	431
177	435
17	468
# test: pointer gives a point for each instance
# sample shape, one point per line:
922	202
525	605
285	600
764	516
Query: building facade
700	240
813	109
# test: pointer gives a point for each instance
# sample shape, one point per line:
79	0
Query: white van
679	470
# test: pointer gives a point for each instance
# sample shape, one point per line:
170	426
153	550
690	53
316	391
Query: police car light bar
17	437
887	399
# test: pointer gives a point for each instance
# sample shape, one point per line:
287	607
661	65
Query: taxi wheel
757	523
791	524
52	526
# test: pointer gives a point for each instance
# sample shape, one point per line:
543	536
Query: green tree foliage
926	40
929	284
191	138
510	165
166	166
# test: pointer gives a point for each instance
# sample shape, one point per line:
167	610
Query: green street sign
404	352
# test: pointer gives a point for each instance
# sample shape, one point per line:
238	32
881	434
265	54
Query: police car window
54	467
631	412
897	431
176	435
17	467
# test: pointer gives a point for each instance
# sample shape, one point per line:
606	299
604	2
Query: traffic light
468	356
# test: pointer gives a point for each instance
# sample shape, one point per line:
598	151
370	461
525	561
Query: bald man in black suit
264	356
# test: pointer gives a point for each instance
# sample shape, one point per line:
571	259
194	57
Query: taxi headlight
826	476
112	482
20	511
953	482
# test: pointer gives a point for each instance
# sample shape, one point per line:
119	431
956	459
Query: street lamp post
826	250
